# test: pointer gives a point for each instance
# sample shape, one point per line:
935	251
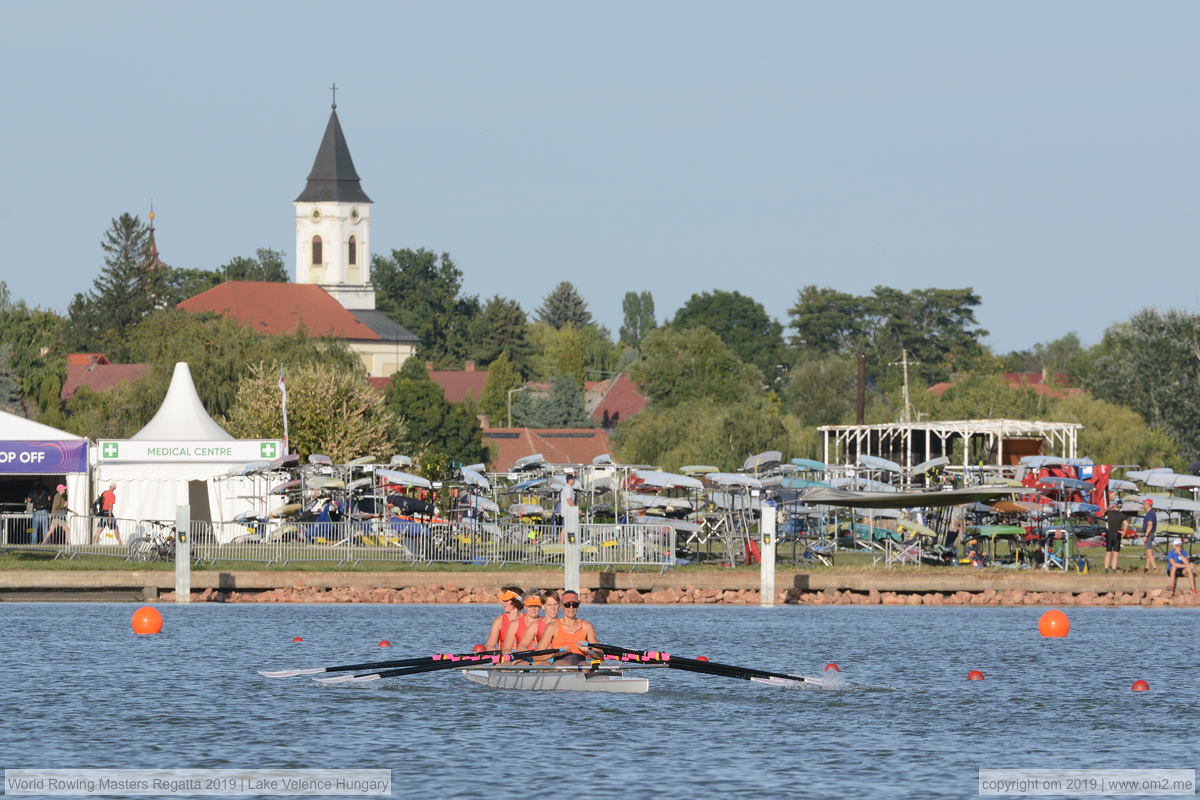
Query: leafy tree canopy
500	329
742	324
435	431
679	365
331	410
638	308
422	291
502	377
564	306
703	431
1065	355
937	328
1152	364
562	407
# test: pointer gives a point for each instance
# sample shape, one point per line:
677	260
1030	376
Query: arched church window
353	251
316	250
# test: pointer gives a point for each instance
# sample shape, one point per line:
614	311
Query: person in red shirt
108	501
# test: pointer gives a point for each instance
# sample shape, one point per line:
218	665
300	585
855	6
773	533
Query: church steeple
333	225
333	178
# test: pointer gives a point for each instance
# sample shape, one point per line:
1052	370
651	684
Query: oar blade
290	673
374	676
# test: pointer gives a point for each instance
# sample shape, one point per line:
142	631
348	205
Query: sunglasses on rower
570	604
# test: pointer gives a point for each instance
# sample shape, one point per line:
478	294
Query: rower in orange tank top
528	621
510	601
533	633
568	632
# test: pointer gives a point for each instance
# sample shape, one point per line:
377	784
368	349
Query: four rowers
532	623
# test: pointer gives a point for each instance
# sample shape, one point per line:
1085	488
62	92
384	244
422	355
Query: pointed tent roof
333	177
182	417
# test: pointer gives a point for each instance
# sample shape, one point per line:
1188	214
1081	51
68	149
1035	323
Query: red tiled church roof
558	445
275	308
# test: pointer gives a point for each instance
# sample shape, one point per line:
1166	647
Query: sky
1044	154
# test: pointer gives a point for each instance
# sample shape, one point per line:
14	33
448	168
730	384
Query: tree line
723	378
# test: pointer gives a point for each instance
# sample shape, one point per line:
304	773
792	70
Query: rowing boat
556	678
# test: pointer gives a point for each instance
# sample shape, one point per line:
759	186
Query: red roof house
558	445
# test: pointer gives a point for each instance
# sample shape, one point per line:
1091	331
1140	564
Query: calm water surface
80	690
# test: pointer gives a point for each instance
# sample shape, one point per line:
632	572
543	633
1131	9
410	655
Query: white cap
1176	541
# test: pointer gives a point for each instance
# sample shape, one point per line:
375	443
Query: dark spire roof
333	177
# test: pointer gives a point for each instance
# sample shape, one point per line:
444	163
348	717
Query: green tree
502	377
434	430
564	306
702	431
500	329
331	410
638	308
822	390
266	265
558	351
10	385
1152	364
218	351
934	325
827	321
742	324
1065	355
562	407
422	291
33	339
131	285
695	364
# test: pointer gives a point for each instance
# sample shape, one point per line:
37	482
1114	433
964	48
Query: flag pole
283	407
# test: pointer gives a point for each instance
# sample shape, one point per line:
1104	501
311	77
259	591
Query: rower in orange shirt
510	602
567	633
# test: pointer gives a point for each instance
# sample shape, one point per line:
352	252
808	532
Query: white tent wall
79	500
154	491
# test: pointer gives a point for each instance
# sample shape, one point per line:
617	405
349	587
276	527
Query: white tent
175	459
32	451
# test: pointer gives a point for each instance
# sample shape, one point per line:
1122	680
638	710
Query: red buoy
478	648
702	658
297	638
1140	686
974	675
832	666
1054	624
384	643
146	620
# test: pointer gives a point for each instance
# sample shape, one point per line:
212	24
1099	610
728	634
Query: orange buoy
384	643
1054	624
147	620
832	666
478	648
702	658
974	675
297	638
1140	686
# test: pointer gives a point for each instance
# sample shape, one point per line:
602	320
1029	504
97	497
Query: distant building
558	445
94	371
333	295
1039	382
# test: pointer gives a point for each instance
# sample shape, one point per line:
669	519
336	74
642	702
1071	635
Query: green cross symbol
110	450
266	450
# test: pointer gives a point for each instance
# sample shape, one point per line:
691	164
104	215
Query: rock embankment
690	595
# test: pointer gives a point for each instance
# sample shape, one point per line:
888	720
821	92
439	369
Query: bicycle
157	545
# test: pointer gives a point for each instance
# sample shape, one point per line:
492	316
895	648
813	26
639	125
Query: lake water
81	690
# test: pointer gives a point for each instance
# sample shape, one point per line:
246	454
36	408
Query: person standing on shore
38	502
1149	528
1117	523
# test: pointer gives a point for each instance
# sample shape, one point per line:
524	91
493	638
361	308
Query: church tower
333	225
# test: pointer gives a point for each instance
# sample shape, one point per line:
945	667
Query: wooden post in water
766	567
183	554
570	515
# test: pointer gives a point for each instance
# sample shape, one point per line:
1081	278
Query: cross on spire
334	90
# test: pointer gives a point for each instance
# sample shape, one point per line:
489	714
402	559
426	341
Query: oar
403	662
435	666
703	667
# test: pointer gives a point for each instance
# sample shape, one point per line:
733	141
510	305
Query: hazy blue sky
1043	153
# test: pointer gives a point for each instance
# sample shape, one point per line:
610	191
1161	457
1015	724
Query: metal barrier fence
273	542
408	542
